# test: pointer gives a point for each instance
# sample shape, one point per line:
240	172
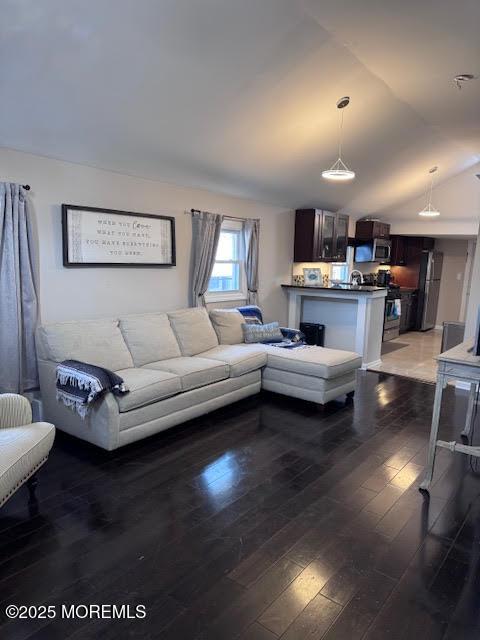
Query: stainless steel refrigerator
429	289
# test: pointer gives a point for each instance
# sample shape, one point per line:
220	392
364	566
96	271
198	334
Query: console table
454	364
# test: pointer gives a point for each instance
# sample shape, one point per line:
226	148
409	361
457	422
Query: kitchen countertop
363	288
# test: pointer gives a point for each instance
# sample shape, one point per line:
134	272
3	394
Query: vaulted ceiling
239	95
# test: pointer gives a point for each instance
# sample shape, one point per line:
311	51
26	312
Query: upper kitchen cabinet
327	239
320	236
406	250
371	230
308	235
341	237
399	252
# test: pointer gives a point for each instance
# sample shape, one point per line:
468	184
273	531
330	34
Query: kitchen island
353	315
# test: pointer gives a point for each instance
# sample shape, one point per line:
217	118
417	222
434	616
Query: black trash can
314	333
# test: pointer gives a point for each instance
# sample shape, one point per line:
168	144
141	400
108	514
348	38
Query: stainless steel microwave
373	250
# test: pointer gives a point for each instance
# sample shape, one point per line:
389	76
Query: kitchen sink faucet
356	277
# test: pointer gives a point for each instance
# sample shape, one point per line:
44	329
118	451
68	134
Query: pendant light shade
339	172
429	211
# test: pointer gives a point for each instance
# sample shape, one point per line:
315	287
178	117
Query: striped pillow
262	332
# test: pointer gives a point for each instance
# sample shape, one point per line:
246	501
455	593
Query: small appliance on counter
384	278
370	279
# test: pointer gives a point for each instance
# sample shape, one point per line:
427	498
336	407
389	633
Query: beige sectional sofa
176	369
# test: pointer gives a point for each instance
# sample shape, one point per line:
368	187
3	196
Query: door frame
467	279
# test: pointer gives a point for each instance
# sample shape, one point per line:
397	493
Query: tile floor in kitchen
412	355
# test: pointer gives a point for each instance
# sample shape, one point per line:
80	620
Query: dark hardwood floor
267	519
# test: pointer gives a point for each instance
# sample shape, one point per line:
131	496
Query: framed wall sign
108	238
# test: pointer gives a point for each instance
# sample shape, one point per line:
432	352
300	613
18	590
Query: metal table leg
432	446
472	397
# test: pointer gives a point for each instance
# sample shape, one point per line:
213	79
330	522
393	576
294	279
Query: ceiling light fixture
429	211
461	78
339	171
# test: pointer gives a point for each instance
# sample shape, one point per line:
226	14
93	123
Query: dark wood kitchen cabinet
308	235
372	229
327	236
409	301
341	237
320	236
398	257
407	250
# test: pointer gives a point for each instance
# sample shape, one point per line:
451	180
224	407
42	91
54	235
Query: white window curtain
18	292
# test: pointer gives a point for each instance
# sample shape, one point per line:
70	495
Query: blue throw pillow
251	313
262	332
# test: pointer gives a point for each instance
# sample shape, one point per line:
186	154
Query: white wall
96	292
457	199
451	282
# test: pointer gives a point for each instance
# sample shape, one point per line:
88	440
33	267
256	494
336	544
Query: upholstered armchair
24	446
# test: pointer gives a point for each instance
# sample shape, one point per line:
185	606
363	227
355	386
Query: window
227	280
340	271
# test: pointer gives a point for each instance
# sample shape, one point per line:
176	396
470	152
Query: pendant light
339	171
429	211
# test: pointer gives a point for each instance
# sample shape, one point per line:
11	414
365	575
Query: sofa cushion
313	361
23	449
228	325
241	358
193	371
193	330
146	386
149	338
211	396
98	342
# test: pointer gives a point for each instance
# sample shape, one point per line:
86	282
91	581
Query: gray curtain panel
252	235
205	234
18	293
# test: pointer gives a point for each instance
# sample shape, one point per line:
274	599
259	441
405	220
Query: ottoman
312	373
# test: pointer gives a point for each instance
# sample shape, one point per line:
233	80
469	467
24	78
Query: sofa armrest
15	410
102	424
